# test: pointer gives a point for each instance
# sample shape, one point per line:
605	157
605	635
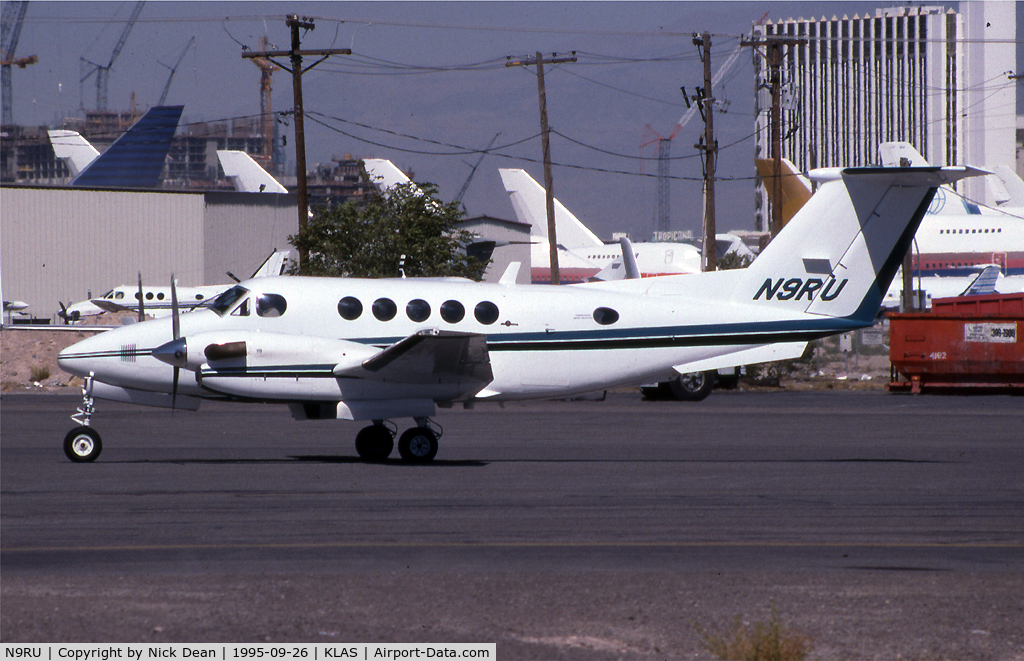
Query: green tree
367	240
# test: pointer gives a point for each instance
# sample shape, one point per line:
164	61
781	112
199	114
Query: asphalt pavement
878	525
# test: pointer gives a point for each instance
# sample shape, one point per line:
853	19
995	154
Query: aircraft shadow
312	459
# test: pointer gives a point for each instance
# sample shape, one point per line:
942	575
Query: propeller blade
176	331
175	327
174	389
142	304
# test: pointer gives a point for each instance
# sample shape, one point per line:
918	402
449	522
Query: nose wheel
82	444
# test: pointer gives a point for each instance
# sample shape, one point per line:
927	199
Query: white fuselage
956	245
542	342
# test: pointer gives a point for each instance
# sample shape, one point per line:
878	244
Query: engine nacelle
234	349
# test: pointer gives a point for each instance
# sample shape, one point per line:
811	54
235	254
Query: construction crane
103	71
465	186
167	87
13	18
650	136
267	69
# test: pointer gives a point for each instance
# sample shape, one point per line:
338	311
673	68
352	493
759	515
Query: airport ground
880	526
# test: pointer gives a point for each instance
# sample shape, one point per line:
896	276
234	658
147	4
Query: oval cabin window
486	312
350	308
418	310
384	309
452	312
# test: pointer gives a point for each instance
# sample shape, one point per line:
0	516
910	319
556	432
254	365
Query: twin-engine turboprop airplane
377	349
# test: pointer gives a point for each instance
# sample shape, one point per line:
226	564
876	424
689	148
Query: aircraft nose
82	358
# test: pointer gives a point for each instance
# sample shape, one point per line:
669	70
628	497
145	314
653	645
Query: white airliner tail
73	148
529	199
247	175
838	255
384	174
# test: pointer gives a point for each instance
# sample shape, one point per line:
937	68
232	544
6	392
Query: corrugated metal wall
242	229
60	244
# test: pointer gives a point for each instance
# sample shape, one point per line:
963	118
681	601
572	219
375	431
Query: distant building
26	156
924	74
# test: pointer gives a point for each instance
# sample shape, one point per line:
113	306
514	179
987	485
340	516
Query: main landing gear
416	446
82	444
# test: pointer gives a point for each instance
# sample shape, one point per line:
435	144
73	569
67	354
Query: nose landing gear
83	444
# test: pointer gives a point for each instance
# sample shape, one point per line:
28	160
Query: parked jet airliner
373	350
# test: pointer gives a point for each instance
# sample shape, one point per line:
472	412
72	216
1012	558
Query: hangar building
61	244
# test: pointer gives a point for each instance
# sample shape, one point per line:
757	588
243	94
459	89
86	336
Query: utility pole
773	56
295	55
710	148
546	148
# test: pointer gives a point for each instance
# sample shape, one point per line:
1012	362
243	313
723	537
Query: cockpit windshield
223	303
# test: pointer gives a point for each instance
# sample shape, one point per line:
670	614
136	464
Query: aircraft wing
429	357
107	305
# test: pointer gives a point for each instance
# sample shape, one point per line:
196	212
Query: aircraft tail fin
796	188
73	148
136	159
985	283
273	265
900	154
839	254
384	174
247	175
529	200
1011	185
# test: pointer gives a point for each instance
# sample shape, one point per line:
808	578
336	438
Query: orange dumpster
968	342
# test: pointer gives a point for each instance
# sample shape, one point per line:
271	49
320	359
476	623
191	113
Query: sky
427	87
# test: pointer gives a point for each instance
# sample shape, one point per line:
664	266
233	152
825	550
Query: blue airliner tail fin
136	159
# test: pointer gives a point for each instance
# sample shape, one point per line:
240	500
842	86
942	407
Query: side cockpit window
271	305
226	301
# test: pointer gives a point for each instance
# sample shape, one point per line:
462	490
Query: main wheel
693	386
82	444
418	445
375	443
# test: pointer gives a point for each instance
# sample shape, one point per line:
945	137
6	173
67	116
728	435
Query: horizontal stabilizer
760	354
